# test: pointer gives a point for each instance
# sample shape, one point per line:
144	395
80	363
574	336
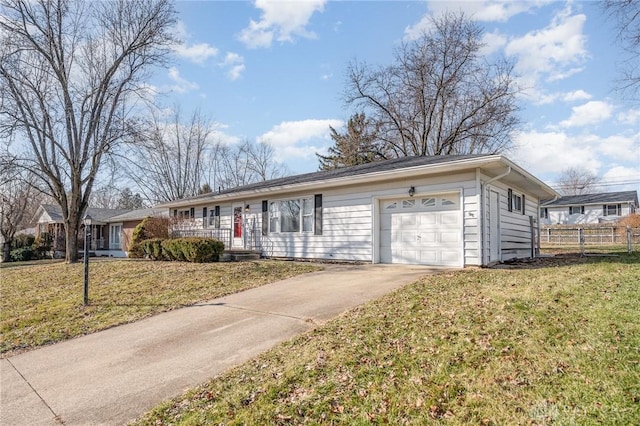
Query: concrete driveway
114	376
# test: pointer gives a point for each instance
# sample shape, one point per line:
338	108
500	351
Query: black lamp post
87	239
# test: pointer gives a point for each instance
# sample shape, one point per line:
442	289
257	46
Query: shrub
633	221
21	254
149	227
23	240
201	249
173	249
42	244
152	248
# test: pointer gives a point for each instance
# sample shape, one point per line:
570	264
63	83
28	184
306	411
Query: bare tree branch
67	70
440	96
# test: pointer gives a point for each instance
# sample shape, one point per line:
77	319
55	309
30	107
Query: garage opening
425	230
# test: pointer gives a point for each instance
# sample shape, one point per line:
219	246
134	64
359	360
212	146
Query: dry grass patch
556	344
42	304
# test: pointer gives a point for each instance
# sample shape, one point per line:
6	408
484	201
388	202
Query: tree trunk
6	251
71	234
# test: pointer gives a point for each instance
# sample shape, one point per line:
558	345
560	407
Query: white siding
592	214
349	219
515	229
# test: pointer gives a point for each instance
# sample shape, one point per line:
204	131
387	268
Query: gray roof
378	166
600	198
139	214
98	215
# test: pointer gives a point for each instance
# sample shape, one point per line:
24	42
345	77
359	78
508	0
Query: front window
294	215
612	209
576	209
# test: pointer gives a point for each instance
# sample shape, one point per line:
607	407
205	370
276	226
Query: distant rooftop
600	198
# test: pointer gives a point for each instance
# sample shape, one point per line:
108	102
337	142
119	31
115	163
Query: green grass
42	303
557	343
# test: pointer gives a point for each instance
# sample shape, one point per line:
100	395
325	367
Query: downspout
482	207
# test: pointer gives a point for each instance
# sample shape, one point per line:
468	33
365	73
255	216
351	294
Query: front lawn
42	303
555	343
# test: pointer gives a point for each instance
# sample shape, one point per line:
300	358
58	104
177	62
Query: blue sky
275	71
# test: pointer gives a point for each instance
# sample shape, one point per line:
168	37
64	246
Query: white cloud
630	117
576	95
621	178
484	11
196	53
181	85
589	113
299	139
552	53
280	20
493	42
621	148
551	152
234	64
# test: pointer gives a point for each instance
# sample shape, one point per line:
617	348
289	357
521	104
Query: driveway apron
113	376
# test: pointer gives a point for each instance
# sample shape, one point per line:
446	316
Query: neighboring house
443	210
107	227
589	208
121	226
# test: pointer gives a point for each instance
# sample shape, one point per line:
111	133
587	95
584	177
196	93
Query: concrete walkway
116	375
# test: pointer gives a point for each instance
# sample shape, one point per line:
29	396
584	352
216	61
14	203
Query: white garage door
421	230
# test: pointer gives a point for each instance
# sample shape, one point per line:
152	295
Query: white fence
606	237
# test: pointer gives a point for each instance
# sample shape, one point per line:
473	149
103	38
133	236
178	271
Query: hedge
193	249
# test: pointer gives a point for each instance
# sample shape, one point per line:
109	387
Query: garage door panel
450	237
422	233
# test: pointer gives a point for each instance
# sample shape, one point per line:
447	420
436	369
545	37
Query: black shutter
204	217
510	200
604	210
192	212
175	213
317	215
524	208
265	217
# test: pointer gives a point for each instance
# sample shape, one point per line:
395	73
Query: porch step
239	255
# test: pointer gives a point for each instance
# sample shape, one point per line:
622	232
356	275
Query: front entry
238	228
494	226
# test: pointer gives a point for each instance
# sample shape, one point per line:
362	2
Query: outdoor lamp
87	234
412	191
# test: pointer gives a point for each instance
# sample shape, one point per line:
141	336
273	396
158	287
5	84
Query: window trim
275	215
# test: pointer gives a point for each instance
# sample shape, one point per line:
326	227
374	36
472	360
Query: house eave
471	164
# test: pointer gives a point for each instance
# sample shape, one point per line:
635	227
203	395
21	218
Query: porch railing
222	234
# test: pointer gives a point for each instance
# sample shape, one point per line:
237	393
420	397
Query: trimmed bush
200	250
172	249
152	248
194	249
149	227
21	254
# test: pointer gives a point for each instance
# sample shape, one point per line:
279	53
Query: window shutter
204	217
524	205
265	217
604	210
192	212
619	209
175	213
510	200
317	215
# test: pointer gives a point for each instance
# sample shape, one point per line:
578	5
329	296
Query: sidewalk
114	376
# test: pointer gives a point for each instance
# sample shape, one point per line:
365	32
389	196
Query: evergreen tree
356	146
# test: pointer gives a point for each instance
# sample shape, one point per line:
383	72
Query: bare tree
440	96
626	13
358	145
19	200
576	181
245	163
168	161
68	72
